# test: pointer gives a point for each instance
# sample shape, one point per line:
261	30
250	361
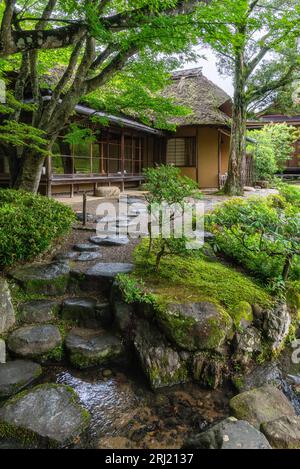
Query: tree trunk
234	183
30	172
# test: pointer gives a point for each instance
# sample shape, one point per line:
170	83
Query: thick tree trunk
30	172
235	180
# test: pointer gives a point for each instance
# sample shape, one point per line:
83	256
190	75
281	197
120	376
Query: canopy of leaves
264	33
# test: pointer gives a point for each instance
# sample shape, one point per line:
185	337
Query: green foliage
167	189
165	184
134	291
18	134
77	135
273	148
291	194
260	234
29	224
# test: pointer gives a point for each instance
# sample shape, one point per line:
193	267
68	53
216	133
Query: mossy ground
196	278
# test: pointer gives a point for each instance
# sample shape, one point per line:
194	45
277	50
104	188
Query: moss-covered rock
162	365
38	342
261	405
242	315
44	279
194	326
50	415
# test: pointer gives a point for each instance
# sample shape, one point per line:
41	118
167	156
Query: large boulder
50	414
45	279
195	326
38	311
16	375
89	347
277	325
261	405
162	365
36	342
7	314
229	434
283	433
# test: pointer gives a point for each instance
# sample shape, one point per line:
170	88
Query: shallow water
126	414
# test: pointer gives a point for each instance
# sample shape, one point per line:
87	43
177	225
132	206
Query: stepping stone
261	405
7	313
16	375
89	217
86	247
66	256
38	311
45	279
35	341
88	348
89	256
50	414
135	200
229	434
81	310
110	240
109	270
87	312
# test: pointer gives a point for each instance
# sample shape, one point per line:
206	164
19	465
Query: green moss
196	278
242	313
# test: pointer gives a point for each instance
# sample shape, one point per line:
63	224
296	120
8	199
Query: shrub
29	224
165	185
261	234
273	148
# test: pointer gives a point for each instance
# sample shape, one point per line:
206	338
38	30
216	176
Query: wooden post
91	159
219	159
132	155
140	156
122	152
84	213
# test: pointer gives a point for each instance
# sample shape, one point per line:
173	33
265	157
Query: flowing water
127	414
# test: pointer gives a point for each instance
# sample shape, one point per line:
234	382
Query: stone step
39	342
38	311
86	247
16	375
89	257
110	240
44	279
50	414
87	312
108	270
88	348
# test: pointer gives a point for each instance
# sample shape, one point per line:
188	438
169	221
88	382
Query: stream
127	414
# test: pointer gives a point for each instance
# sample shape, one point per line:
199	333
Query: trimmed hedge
29	224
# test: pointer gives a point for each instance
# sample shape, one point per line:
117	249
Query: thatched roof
210	105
